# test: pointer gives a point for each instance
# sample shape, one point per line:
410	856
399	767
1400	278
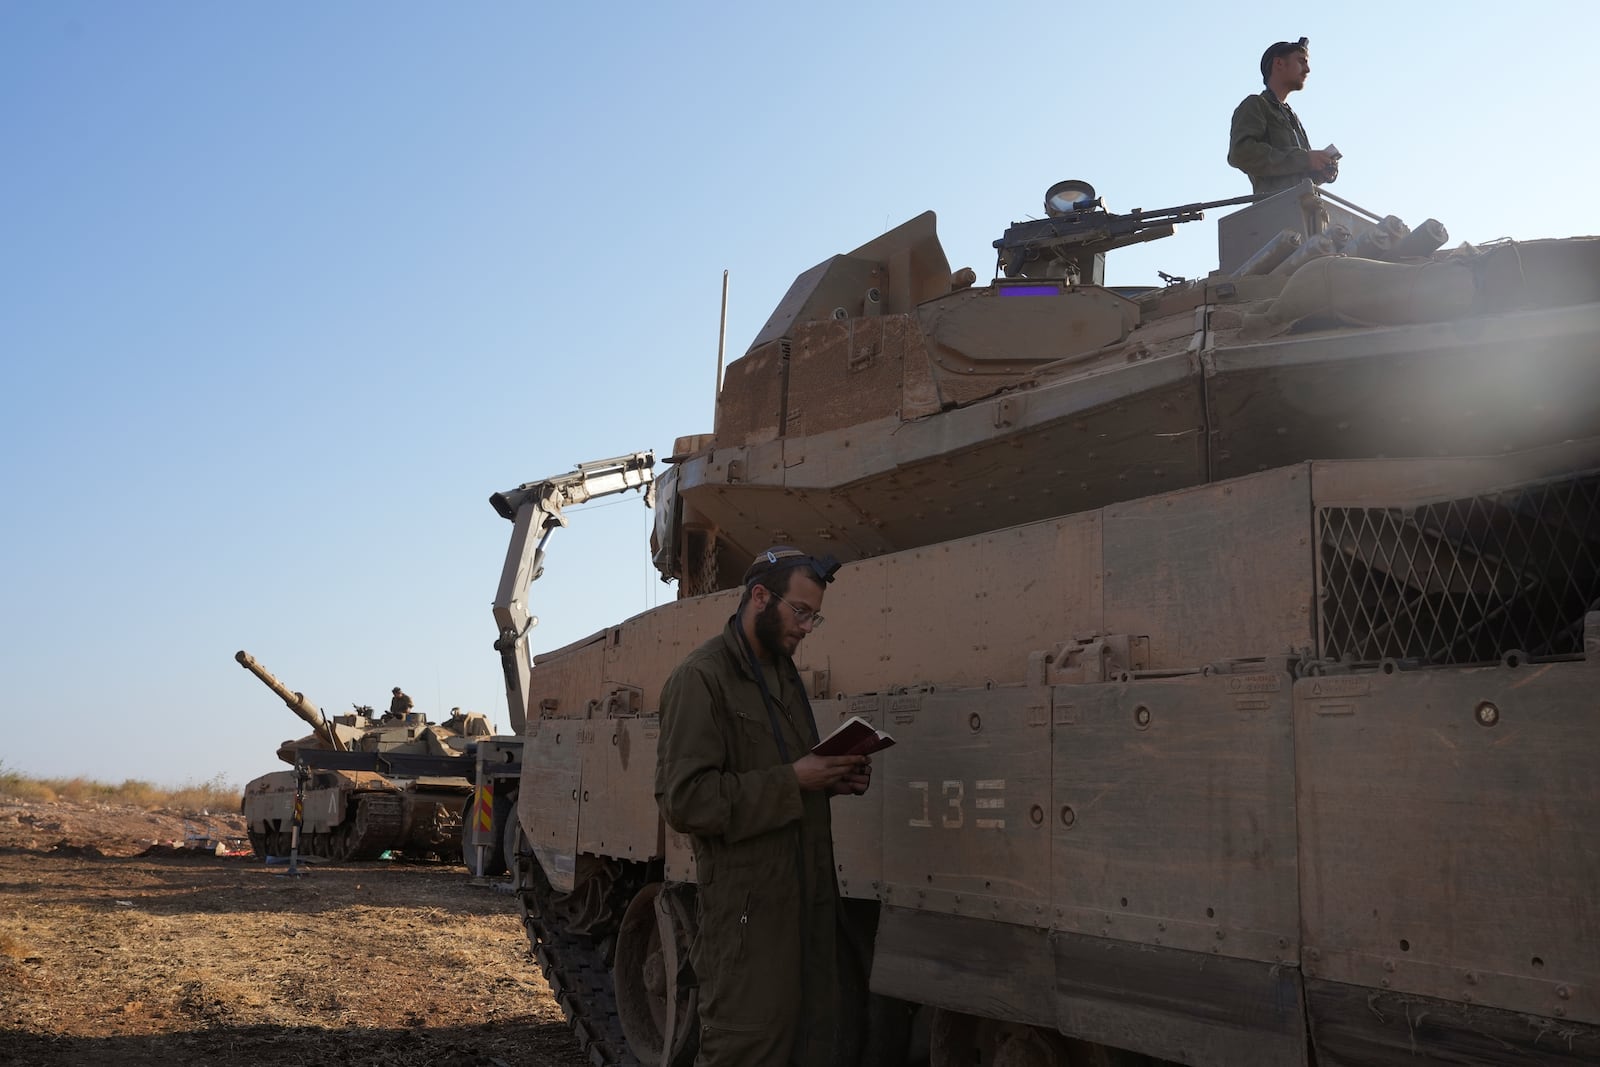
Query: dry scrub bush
17	787
214	794
80	790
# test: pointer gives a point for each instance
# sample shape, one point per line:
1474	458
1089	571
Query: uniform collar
735	647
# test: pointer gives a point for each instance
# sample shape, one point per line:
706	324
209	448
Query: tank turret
297	702
942	408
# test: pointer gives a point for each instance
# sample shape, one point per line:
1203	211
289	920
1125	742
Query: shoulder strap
766	694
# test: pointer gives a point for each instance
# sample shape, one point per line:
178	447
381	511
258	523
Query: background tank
373	786
1239	637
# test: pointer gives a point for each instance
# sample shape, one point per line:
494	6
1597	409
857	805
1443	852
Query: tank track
277	843
371	830
578	973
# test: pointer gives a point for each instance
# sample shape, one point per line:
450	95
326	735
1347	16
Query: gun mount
1071	242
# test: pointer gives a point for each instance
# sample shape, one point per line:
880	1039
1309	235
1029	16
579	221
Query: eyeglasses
801	615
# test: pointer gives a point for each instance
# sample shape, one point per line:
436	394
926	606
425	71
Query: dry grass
13	948
213	794
195	961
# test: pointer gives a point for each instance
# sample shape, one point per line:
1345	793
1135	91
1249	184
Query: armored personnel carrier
365	785
1240	639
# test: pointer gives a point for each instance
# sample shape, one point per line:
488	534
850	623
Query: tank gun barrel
296	701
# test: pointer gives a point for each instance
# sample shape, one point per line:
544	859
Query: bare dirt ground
117	948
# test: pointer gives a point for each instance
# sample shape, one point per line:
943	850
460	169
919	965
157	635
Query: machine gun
1072	241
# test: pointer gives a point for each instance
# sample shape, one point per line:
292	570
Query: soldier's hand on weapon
856	782
823	772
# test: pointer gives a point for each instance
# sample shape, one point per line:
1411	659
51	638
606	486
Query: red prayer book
854	737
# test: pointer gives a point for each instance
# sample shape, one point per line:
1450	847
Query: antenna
722	339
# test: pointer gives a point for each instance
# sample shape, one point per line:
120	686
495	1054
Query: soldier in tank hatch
1267	141
400	705
734	771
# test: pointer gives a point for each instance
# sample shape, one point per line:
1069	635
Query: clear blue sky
287	290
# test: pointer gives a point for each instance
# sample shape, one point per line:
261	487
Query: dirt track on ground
180	958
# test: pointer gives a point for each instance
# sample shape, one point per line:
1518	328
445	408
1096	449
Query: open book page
854	737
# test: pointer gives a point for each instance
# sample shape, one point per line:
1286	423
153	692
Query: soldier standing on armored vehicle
735	772
1267	141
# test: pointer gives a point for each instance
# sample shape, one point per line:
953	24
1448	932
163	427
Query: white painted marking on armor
924	821
990	802
991	824
989	783
954	791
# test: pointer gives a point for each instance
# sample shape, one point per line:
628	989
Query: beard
769	631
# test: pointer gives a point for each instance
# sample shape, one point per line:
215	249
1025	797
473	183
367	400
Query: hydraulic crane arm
535	510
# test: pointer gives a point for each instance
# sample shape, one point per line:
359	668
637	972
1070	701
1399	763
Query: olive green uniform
764	954
400	706
1268	143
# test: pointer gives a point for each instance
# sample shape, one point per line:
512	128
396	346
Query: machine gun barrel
1091	230
296	701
